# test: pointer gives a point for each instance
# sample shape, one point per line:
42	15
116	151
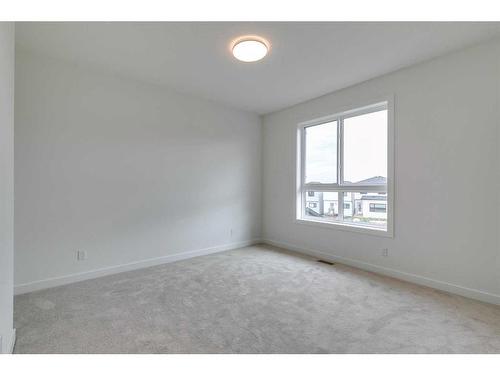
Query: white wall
125	171
6	183
130	172
446	155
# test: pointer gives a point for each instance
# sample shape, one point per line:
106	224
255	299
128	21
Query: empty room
250	187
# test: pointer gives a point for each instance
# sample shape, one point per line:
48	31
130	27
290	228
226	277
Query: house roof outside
376	180
372	197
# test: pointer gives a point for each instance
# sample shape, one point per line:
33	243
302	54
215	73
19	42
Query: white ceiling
306	59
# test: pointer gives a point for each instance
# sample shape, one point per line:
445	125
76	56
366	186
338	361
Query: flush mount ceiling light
250	48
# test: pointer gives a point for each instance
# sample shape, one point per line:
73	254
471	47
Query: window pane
322	205
366	208
365	149
321	153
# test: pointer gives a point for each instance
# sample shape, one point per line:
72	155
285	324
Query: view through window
343	167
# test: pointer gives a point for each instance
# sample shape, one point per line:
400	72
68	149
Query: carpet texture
253	300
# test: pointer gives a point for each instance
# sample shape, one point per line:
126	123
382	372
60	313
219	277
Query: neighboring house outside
374	205
358	206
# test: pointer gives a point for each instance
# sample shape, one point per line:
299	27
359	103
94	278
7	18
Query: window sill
347	227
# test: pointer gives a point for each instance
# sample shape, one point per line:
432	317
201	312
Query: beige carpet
252	300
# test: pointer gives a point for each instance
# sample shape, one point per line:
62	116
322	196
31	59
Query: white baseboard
72	278
12	341
9	341
416	279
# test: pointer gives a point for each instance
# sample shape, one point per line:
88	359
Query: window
344	175
378	207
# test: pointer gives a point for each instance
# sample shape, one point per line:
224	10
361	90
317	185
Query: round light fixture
250	48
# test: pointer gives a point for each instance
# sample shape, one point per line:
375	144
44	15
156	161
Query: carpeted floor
252	300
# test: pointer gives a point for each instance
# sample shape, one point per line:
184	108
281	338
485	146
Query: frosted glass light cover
250	50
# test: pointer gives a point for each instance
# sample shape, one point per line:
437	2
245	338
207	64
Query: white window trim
302	187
